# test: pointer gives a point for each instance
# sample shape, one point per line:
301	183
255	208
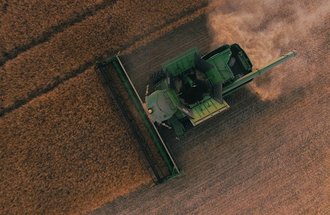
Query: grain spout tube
116	80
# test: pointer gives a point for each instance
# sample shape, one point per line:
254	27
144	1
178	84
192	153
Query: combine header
123	94
188	90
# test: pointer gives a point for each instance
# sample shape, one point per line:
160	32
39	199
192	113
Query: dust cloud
267	29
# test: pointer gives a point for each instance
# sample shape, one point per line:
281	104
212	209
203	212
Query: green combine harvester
188	90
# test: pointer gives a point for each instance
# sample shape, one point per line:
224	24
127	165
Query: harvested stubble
67	152
71	51
22	21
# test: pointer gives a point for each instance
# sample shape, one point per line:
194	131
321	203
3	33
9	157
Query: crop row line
38	92
52	31
42	90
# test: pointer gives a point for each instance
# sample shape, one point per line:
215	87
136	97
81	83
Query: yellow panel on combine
207	109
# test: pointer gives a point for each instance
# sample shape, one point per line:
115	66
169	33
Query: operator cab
191	87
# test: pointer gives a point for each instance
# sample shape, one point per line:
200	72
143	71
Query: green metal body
192	87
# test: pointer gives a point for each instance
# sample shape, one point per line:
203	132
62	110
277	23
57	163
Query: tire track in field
135	41
52	31
38	92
